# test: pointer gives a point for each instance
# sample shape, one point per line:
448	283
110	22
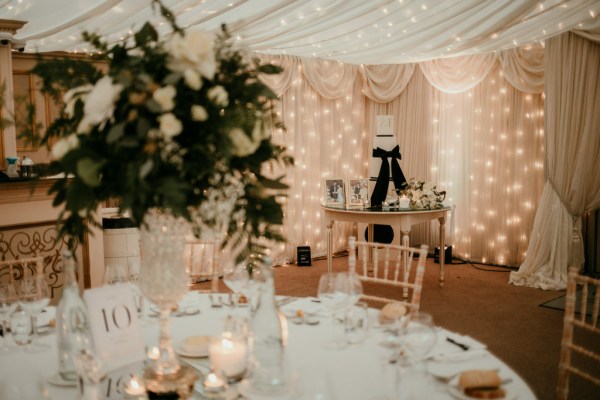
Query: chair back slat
583	321
390	266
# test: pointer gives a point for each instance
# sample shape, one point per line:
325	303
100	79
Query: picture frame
358	191
334	192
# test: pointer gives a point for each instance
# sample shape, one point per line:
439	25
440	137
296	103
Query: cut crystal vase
164	281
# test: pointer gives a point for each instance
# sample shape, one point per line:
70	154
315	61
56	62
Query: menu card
115	326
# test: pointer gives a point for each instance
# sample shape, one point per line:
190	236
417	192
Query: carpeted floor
559	302
481	304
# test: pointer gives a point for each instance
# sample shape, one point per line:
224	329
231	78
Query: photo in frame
334	192
358	191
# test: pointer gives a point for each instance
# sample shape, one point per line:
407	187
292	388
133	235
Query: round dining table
352	372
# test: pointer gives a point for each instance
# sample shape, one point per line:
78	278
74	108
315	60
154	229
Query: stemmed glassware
336	293
419	337
34	295
8	304
235	277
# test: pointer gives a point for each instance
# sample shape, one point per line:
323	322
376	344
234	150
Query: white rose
64	145
417	194
218	95
199	113
193	51
165	96
242	144
192	79
169	125
71	97
100	104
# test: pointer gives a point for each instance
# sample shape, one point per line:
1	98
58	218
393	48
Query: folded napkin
47	315
308	305
452	346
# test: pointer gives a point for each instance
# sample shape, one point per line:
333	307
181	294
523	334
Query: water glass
34	296
419	337
8	304
356	323
21	327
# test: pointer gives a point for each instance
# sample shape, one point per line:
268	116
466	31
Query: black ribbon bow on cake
383	179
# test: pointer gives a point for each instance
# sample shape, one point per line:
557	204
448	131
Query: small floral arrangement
423	195
180	123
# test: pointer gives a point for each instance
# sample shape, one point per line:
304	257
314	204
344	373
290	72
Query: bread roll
481	384
391	312
479	378
195	344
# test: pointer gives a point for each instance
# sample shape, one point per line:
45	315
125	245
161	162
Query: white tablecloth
350	373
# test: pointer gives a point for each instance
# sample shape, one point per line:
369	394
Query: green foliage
114	141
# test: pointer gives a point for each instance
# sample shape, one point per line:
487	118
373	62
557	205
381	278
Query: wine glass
235	276
34	296
419	337
8	304
388	344
334	295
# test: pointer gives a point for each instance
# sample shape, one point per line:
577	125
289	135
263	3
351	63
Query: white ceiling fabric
351	31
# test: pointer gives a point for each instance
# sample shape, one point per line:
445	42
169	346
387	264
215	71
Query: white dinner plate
56	380
457	392
192	354
247	391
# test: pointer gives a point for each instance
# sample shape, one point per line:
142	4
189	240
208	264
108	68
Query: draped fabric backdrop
472	125
572	161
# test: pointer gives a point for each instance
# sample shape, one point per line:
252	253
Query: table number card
115	326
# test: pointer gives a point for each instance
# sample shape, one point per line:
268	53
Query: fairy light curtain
483	144
572	161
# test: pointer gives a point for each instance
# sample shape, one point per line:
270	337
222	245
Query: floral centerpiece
180	123
423	195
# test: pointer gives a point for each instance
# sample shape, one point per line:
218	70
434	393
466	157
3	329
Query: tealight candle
135	389
229	355
404	202
213	383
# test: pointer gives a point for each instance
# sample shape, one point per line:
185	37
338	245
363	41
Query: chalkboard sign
304	256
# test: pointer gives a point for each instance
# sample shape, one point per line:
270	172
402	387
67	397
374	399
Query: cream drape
483	144
572	161
456	75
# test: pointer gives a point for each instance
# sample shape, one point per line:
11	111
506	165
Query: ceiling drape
355	32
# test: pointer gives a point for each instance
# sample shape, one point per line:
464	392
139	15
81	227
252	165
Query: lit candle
229	355
213	383
404	202
135	389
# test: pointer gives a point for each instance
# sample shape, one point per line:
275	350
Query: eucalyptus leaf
89	171
146	168
115	132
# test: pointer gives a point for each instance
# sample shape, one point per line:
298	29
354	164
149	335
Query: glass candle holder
229	354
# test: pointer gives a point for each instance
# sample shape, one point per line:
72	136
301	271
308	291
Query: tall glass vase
163	280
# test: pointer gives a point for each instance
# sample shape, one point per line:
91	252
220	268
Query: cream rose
242	144
260	131
100	103
218	95
192	79
64	145
71	97
165	96
199	113
194	50
169	125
